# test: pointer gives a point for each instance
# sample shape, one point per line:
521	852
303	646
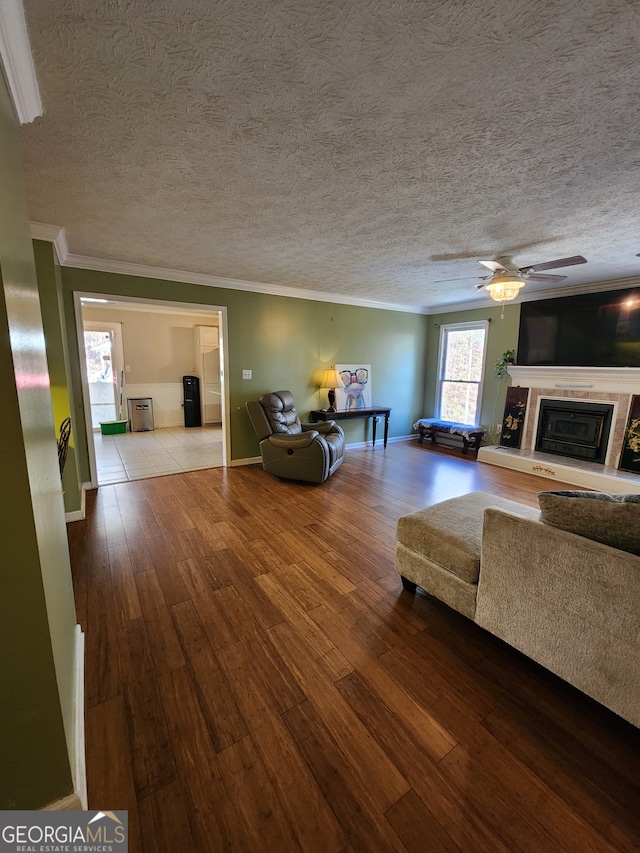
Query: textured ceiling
366	149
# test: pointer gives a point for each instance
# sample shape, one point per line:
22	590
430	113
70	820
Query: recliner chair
291	449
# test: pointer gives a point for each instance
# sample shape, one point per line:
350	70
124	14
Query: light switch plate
247	374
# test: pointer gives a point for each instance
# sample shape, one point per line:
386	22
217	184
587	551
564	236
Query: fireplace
578	430
576	386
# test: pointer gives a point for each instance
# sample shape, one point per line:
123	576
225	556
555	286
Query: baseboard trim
76	515
71	803
79	514
356	445
359	445
77	800
249	460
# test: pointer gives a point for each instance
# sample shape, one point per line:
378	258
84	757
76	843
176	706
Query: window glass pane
464	354
459	402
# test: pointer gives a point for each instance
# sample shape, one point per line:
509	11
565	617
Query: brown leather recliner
291	449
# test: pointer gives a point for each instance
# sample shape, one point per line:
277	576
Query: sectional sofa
569	600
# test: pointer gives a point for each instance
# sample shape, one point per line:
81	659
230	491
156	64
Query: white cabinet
207	336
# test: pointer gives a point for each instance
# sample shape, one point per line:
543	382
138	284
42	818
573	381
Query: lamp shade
504	287
332	379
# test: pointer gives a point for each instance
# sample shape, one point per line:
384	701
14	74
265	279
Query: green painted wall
503	335
286	342
37	619
50	290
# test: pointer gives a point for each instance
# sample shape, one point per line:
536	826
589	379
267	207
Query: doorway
129	341
104	358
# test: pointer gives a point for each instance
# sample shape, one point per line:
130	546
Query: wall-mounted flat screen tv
590	330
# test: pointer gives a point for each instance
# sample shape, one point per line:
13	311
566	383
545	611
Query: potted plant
507	358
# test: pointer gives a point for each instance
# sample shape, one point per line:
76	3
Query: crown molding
52	234
56	235
450	307
17	62
146	271
578	289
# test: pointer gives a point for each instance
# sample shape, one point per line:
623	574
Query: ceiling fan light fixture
504	287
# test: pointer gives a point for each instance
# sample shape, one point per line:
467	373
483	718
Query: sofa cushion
611	519
449	533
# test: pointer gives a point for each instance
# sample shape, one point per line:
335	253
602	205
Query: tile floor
138	455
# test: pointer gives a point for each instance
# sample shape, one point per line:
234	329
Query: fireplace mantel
619	380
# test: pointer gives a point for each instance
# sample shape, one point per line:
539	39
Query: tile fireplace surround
614	385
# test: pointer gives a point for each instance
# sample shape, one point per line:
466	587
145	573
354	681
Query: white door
105	371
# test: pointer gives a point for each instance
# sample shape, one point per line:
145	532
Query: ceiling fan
507	279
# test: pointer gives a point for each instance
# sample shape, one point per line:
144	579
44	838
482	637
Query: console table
374	413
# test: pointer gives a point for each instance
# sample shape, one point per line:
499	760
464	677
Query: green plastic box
113	427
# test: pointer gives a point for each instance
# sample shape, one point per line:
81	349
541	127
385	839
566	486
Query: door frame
117	351
163	306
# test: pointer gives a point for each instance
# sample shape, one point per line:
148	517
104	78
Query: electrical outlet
498	428
247	374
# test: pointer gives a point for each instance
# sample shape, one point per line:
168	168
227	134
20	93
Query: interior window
462	357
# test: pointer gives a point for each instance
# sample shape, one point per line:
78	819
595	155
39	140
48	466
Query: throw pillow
611	519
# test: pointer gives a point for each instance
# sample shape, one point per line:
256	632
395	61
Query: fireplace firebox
574	428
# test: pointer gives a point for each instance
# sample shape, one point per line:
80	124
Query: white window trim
459	327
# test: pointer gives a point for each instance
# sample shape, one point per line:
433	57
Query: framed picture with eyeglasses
356	387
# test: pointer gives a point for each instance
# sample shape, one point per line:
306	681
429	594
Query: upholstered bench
470	434
438	548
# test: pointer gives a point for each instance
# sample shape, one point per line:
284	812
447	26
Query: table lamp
332	380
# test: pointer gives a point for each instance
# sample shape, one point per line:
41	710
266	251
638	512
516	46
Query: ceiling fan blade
492	265
554	265
534	276
449	280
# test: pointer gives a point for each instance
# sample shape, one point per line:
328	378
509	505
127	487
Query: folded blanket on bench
471	434
466	430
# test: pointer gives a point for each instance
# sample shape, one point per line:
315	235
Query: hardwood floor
256	679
